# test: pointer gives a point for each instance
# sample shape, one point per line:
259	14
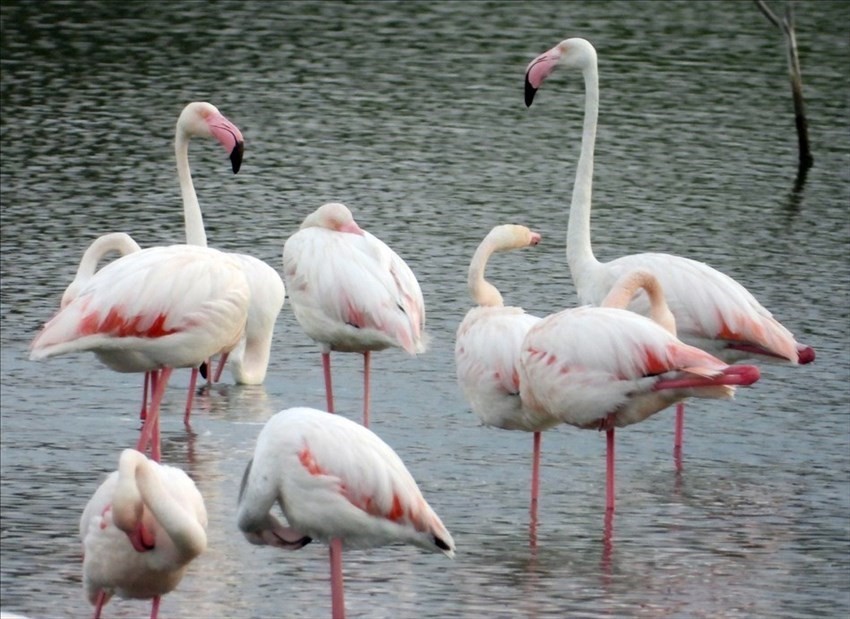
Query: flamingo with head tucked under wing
350	292
140	530
713	311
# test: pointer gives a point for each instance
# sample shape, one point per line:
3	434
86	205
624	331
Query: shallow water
412	114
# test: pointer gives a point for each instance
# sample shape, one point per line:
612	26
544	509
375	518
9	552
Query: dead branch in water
787	26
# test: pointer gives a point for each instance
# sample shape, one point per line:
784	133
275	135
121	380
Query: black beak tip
236	156
203	370
530	91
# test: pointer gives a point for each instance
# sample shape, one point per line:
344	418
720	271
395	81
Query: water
411	113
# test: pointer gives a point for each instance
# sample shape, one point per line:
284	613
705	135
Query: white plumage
334	479
141	529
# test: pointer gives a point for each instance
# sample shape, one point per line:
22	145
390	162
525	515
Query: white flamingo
249	360
606	367
335	481
350	292
487	349
141	529
713	311
151	311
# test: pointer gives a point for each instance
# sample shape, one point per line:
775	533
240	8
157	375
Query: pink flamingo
249	360
335	481
606	367
713	311
350	292
151	311
141	529
487	348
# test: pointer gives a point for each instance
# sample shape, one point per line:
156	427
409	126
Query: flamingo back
352	293
175	305
581	364
713	311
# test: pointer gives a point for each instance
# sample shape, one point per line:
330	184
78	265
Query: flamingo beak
530	91
236	156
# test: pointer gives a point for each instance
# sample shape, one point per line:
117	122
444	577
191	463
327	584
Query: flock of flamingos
612	362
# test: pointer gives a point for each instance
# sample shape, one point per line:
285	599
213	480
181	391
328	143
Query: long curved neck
579	251
624	291
100	247
193	219
483	292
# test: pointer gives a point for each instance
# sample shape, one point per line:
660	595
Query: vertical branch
787	25
806	159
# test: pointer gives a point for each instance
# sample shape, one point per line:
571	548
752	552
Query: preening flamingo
151	311
249	360
141	529
713	311
350	292
606	367
335	481
487	348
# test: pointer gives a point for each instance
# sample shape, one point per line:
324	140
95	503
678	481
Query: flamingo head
202	119
576	53
333	216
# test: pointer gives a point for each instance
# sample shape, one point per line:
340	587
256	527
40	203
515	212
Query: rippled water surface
412	114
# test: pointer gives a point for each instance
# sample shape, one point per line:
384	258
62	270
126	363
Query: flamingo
151	311
140	530
606	367
350	292
713	311
335	481
249	360
95	252
487	348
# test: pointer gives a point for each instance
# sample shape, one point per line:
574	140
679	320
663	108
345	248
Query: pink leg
337	593
150	431
145	388
193	381
680	429
155	607
329	392
221	361
366	366
535	487
609	486
98	604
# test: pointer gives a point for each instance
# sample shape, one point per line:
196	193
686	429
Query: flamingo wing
712	310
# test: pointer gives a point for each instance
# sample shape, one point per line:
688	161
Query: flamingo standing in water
151	311
713	311
335	481
350	292
141	529
249	360
606	367
487	349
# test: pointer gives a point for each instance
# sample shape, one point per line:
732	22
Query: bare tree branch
768	13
